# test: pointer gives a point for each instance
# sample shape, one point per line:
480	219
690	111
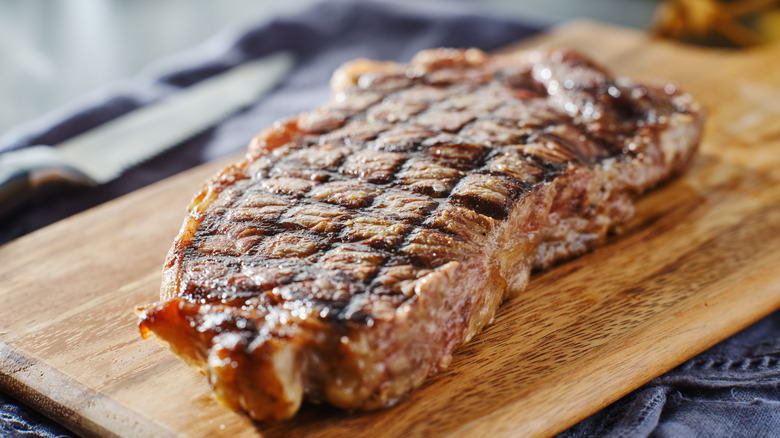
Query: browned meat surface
358	245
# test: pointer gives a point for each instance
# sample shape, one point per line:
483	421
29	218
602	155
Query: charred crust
404	186
322	177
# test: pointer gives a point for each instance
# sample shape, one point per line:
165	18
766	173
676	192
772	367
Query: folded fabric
18	421
730	390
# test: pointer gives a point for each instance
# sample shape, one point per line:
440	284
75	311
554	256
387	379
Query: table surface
699	262
56	53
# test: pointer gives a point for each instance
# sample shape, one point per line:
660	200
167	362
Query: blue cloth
731	390
18	421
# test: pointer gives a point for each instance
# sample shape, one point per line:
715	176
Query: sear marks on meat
355	247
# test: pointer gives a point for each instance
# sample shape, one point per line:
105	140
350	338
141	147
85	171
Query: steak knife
105	152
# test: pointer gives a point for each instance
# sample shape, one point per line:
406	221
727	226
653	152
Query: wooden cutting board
700	261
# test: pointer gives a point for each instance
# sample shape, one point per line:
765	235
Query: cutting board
699	262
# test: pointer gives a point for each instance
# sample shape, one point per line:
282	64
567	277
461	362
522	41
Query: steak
356	246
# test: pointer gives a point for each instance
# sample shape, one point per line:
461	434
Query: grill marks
356	246
373	166
488	194
395	177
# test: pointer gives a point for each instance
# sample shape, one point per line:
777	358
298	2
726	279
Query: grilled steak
356	246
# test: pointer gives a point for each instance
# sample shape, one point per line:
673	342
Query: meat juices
355	247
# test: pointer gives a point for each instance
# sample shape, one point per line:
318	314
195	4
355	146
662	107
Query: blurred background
55	52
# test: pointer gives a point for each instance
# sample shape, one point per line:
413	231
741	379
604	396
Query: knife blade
105	152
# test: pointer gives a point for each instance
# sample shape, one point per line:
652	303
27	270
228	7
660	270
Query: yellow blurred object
677	18
680	19
768	25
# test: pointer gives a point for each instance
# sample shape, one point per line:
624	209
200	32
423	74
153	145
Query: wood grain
699	262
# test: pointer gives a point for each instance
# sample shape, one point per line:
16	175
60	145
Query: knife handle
34	171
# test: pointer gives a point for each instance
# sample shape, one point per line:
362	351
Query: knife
103	153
